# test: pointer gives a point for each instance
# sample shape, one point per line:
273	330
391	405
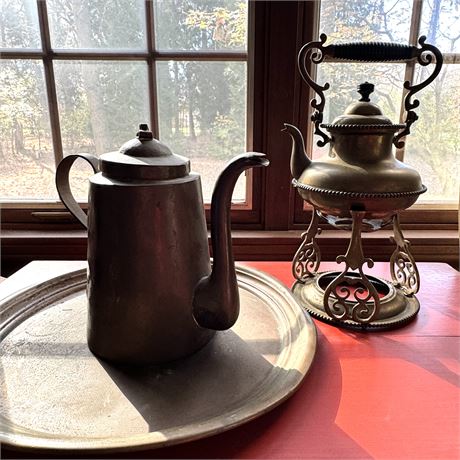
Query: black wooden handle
372	51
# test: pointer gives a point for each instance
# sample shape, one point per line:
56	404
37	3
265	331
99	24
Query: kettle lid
363	115
144	158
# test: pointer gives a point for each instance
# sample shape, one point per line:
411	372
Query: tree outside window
109	66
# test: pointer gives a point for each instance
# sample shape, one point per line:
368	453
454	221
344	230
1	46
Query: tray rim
47	443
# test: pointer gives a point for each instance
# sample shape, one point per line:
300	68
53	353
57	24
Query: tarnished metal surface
151	294
55	395
395	309
308	257
404	272
353	297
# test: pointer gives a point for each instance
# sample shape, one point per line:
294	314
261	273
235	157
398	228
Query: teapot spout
216	299
299	158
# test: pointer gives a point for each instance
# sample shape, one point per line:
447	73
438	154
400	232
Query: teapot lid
363	115
144	158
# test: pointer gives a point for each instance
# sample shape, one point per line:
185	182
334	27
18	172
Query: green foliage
23	121
18	24
198	99
228	135
434	146
228	27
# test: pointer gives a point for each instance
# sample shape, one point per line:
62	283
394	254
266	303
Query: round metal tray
56	395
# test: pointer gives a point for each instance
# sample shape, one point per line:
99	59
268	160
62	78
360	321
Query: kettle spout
216	299
299	158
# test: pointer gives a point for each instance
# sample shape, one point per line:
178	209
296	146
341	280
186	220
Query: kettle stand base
396	309
352	299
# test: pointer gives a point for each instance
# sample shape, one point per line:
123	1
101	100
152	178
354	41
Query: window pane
19	24
90	24
201	24
26	153
202	115
433	148
344	79
366	20
441	24
101	105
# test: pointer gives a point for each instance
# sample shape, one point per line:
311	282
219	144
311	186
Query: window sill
18	247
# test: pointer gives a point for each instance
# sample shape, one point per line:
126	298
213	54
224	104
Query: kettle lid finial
365	89
145	145
144	133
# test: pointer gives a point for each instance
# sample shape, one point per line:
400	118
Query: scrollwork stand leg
308	257
351	296
404	272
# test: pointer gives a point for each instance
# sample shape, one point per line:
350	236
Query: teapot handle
63	186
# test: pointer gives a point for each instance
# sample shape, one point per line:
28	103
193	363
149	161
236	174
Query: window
184	56
80	76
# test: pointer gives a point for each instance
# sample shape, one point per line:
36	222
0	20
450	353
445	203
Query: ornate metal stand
402	264
349	298
308	256
361	186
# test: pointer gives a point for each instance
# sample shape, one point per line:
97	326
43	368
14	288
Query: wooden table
392	395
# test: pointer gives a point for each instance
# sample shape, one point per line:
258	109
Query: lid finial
365	89
144	133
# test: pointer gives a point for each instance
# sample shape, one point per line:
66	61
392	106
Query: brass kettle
152	295
360	173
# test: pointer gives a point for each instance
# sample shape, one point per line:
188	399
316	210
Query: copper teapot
360	173
152	295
